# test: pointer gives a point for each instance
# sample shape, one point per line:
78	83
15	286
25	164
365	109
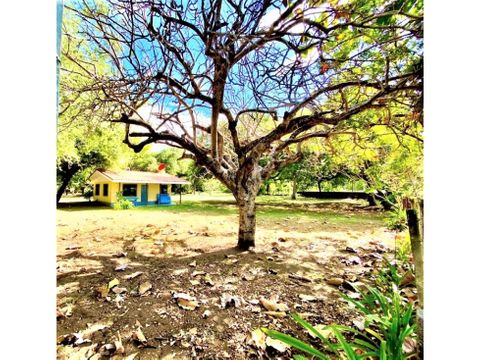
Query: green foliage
197	177
396	219
294	342
122	203
88	194
389	321
212	185
171	157
84	140
143	161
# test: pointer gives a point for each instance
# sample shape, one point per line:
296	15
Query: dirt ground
150	284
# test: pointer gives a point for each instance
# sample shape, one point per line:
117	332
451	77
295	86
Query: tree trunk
247	222
319	184
66	180
294	190
415	228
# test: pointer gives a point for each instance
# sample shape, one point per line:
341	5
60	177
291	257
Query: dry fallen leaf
107	350
143	288
230	261
118	300
359	323
272	305
278	345
409	345
186	301
119	290
248	277
102	291
179	272
334	281
138	336
208	280
258	338
193	264
196	273
227	301
305	297
409	293
187	304
76	353
321	329
85	335
134	275
67	310
121	267
113	283
407	279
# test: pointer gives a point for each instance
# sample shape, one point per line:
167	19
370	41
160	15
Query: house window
163	189
129	190
97	189
105	189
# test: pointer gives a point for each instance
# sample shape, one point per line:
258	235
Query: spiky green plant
389	321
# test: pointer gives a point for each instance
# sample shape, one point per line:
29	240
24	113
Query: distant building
140	187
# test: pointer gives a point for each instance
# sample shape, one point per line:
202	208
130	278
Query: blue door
144	198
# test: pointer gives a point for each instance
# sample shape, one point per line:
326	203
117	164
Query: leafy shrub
88	194
396	220
213	185
122	203
389	326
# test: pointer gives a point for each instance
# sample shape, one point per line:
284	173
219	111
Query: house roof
143	177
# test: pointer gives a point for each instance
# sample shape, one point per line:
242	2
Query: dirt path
192	253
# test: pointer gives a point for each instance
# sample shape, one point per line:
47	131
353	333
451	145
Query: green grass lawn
274	208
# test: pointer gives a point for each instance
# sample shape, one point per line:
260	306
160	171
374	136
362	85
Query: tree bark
319	184
415	228
294	190
66	180
247	222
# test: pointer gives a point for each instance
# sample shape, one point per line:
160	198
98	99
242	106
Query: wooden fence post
414	210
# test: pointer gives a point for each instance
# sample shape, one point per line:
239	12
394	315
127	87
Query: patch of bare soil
166	285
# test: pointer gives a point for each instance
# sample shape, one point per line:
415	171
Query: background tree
142	161
172	158
307	67
85	141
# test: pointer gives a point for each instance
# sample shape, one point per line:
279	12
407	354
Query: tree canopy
235	82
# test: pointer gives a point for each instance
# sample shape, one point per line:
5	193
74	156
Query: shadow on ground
283	271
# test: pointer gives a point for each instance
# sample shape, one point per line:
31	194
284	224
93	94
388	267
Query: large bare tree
241	84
